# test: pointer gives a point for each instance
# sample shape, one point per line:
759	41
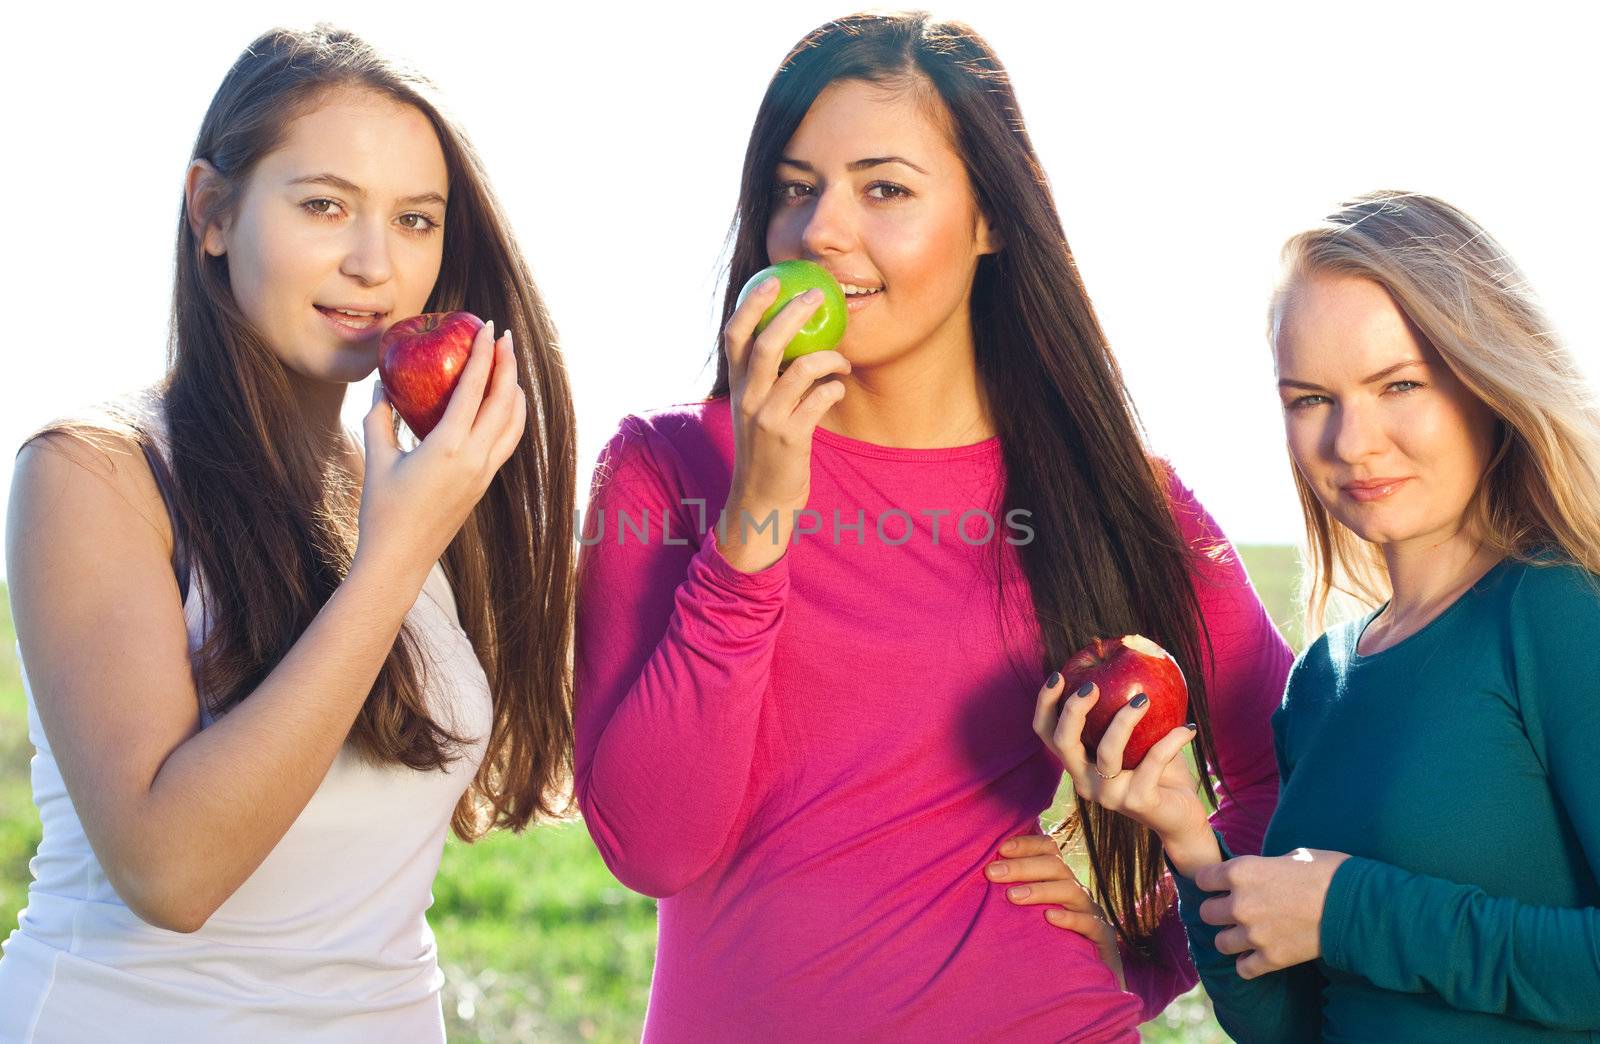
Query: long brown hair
267	517
1466	296
1107	557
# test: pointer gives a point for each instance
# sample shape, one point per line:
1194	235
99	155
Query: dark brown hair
268	520
1107	558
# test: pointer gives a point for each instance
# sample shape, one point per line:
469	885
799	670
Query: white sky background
1183	146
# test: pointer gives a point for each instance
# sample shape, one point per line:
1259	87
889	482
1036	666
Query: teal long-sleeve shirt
1460	769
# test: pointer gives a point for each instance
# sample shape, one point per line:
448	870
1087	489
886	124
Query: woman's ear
203	190
988	239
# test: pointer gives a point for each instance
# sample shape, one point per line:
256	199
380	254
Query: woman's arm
675	645
180	817
1245	667
674	653
1283	1005
1405	931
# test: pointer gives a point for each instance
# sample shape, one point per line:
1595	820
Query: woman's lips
351	327
853	303
1372	490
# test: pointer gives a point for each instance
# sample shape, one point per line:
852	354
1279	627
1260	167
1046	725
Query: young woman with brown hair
268	673
810	739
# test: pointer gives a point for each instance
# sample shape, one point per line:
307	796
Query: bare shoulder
84	474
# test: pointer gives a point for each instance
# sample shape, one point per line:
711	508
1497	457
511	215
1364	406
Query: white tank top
327	940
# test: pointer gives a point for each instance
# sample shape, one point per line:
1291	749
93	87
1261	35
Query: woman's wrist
751	539
387	582
1196	847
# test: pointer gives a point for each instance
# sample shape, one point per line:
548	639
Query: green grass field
537	939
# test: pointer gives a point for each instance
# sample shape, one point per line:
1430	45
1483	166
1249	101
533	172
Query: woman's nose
368	258
830	228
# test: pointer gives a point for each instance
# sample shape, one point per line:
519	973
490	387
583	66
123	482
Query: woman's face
871	188
338	233
1393	445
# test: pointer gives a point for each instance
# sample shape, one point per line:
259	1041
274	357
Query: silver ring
1102	775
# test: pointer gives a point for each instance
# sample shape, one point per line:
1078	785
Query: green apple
825	328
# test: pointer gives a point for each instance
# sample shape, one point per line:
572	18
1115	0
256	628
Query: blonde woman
1430	872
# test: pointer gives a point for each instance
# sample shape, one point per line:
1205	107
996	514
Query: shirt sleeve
1245	663
673	657
1170	973
1411	932
1280	1006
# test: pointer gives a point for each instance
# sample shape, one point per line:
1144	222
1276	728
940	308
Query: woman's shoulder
83	482
676	443
104	441
1323	660
1546	589
681	423
1194	521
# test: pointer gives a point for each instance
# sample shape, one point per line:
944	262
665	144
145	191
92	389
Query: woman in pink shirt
810	739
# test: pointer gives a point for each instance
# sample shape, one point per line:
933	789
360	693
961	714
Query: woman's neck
1426	576
321	408
925	399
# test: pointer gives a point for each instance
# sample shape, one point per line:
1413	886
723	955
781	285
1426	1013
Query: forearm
666	748
1413	933
225	797
1280	1006
1169	971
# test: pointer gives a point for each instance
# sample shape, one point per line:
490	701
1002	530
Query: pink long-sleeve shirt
811	765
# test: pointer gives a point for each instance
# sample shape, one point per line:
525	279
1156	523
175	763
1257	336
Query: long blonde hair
1475	308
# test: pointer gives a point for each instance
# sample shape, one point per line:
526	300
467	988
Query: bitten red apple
1122	668
420	360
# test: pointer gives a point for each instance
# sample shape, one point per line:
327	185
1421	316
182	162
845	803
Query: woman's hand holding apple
1161	793
413	503
774	416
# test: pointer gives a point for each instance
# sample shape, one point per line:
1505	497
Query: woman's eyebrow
346	185
1387	371
860	164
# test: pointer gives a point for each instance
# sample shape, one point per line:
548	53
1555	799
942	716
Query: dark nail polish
1052	681
1139	700
1084	689
1192	727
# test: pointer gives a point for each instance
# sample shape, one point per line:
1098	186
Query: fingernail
1055	913
1085	689
995	870
490	325
812	295
1008	848
771	283
1052	681
1192	727
1139	700
1018	893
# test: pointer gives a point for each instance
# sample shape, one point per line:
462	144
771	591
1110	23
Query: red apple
420	361
1122	668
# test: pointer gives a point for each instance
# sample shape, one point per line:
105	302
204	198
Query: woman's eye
1307	401
791	190
321	207
418	222
1405	386
887	190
